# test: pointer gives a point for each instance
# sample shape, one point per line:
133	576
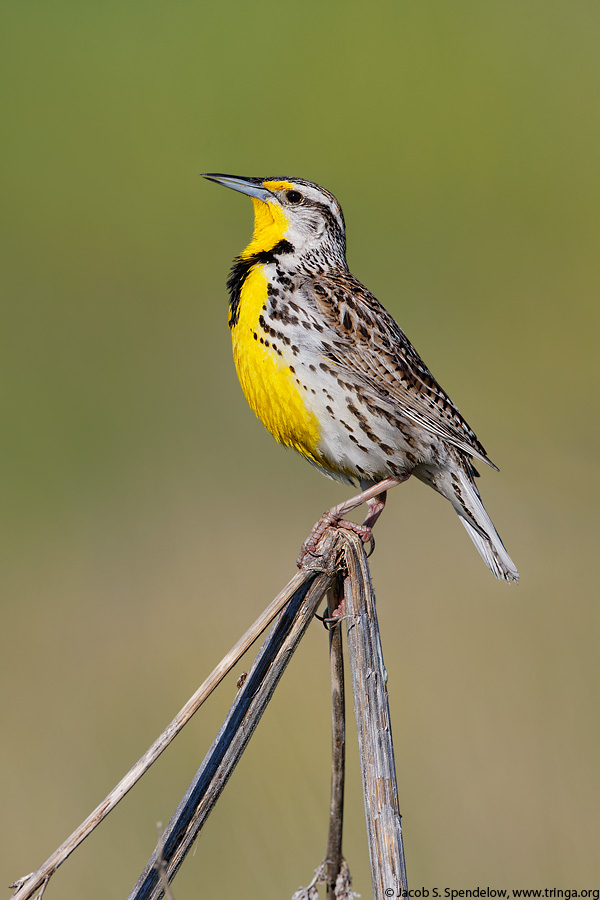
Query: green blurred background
147	518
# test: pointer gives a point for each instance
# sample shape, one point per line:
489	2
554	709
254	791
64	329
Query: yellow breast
266	379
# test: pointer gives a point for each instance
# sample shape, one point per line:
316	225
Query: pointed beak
251	186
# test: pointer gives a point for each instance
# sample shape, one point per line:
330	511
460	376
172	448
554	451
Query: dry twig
240	723
29	884
340	555
380	790
333	859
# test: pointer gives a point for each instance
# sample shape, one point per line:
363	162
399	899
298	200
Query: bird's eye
293	197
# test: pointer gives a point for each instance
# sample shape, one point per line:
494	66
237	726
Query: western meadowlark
328	371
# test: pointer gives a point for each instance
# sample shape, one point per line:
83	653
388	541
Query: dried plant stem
239	725
29	885
333	859
380	790
340	557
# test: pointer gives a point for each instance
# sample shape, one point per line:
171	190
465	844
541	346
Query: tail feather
457	485
493	553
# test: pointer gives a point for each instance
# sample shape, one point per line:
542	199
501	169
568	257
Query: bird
330	373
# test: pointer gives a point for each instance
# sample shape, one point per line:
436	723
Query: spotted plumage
330	373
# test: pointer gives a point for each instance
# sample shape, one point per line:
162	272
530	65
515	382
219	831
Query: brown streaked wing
369	342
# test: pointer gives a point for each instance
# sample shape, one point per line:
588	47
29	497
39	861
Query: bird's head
299	212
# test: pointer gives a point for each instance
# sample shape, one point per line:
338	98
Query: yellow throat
270	221
267	380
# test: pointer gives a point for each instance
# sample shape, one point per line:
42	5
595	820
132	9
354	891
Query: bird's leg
375	507
374	496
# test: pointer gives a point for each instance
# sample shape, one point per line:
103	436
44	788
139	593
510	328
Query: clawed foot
336	614
374	497
332	617
327	520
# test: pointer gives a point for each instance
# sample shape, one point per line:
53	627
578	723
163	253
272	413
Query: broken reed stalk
333	858
29	884
239	725
376	749
302	596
